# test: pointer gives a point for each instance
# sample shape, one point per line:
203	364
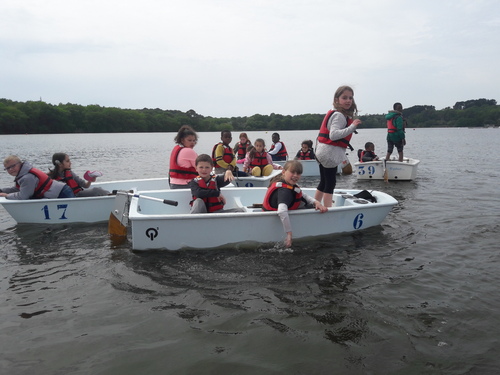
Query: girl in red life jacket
241	148
333	139
62	172
258	162
306	151
284	194
182	167
205	188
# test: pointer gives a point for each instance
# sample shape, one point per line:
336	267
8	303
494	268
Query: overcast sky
227	58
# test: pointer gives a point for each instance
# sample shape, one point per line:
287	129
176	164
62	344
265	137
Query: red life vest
305	155
176	171
324	134
44	183
259	160
266	205
69	180
213	203
228	155
242	149
391	128
282	152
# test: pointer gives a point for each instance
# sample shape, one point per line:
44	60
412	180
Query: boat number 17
62	207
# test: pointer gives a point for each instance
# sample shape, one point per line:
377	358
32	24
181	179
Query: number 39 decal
362	170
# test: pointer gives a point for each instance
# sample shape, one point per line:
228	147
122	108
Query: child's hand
288	239
228	176
318	206
222	199
356	122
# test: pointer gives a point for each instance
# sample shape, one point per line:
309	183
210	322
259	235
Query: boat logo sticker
152	233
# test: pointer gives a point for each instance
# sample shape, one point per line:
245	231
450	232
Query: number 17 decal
63	207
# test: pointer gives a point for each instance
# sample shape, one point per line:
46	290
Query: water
417	295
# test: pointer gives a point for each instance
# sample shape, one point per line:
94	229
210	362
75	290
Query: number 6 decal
358	221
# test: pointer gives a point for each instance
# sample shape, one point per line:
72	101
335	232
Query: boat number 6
63	207
358	221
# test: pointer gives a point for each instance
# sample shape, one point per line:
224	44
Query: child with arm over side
284	194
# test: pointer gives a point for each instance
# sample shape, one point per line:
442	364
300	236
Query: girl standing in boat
284	194
62	172
183	158
333	139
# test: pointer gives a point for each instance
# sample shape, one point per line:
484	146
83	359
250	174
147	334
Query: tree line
38	117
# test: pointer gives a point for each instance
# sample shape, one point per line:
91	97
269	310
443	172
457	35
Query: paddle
165	201
386	174
118	218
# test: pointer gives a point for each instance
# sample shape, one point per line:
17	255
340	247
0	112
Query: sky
225	58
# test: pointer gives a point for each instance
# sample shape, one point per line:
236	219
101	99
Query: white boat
253	181
76	210
311	167
95	209
396	170
158	226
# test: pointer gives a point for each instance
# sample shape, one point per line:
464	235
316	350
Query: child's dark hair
369	144
308	142
204	158
57	160
253	150
225	131
184	132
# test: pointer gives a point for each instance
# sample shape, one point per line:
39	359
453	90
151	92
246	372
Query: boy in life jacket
278	150
223	155
368	154
284	194
306	151
32	183
395	131
205	188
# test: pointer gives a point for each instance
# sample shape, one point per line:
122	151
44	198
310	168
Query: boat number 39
369	169
61	209
358	221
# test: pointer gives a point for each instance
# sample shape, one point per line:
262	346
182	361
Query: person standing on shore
333	139
395	131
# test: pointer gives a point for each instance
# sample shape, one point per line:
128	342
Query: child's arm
270	161
285	220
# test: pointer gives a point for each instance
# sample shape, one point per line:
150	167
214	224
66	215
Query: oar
165	201
118	218
386	174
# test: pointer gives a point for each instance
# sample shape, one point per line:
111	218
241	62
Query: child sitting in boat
223	155
368	154
258	162
62	172
241	148
31	183
284	194
205	188
306	151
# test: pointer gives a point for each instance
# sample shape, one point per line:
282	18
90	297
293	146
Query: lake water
416	295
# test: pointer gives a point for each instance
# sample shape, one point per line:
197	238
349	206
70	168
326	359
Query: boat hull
76	210
158	226
374	170
252	181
